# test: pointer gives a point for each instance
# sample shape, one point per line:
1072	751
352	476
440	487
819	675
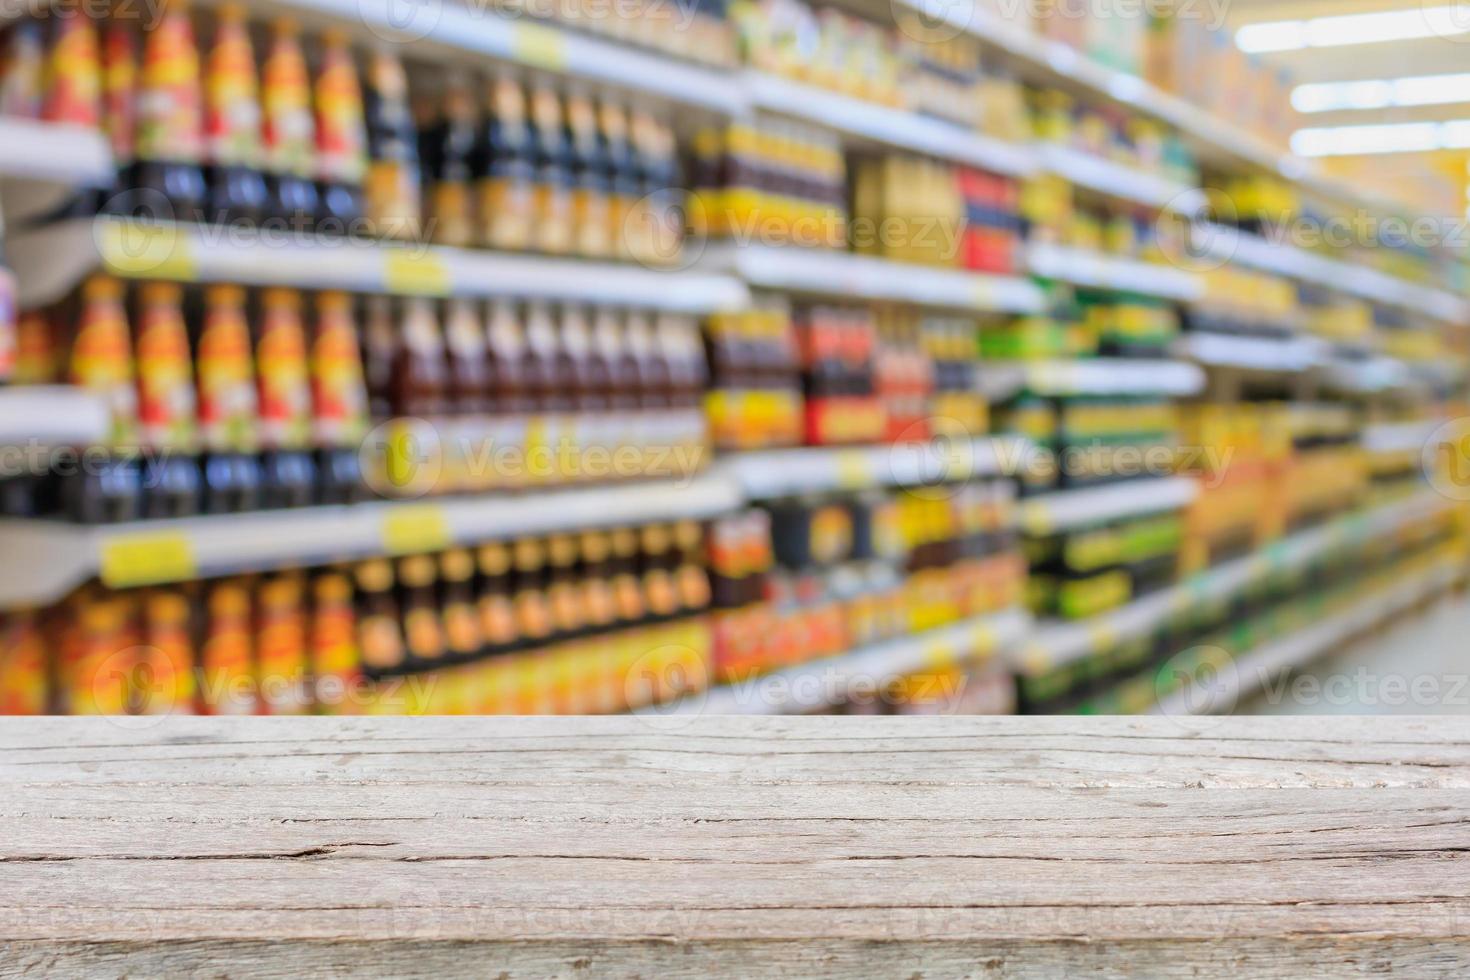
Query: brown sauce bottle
562	596
510	387
594	586
534	622
420	377
498	625
462	634
623	573
379	628
656	567
423	630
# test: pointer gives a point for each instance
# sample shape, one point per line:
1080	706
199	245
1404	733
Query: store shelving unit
1083	268
1119	183
46	416
833	680
1060	643
43	164
1277	355
1064	510
1222	244
1254	670
829	272
886	126
62	556
770	474
50	261
1102	376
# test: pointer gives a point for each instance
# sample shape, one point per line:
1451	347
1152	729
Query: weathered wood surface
897	847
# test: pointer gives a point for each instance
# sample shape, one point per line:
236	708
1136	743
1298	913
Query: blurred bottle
551	227
167	407
228	405
506	172
392	201
341	137
73	71
289	130
102	362
284	384
237	190
170	124
450	164
23	80
339	399
119	104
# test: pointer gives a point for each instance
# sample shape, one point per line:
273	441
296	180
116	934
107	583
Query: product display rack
51	260
1057	644
830	681
1256	668
154	552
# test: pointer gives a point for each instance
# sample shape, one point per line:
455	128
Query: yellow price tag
407	272
147	559
1035	661
417	528
853	471
1035	518
982	641
540	46
939	654
1102	636
149	250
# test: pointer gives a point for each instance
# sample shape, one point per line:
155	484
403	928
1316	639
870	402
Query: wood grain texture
679	847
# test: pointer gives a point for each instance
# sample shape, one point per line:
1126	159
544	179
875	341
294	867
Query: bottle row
601	620
814	576
1205	643
330	145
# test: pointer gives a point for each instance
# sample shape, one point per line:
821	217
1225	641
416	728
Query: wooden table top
677	847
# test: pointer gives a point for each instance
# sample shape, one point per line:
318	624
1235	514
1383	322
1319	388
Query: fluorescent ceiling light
1333	32
1382	93
1328	141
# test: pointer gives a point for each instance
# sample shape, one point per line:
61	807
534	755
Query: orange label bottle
227	656
341	138
73	72
281	371
166	403
281	644
102	358
166	683
289	126
227	400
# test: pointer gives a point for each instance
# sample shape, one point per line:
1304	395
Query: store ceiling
1442	53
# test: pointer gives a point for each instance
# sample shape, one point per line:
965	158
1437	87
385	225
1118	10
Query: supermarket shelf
1056	644
1253	670
50	261
51	415
1101	376
1373	375
1119	182
1067	509
1082	268
44	164
886	125
1403	437
823	683
830	272
1287	356
467	33
1226	244
1214	139
782	472
60	556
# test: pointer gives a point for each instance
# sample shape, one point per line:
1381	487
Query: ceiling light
1339	31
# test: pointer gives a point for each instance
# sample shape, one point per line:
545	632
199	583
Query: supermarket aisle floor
1418	666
